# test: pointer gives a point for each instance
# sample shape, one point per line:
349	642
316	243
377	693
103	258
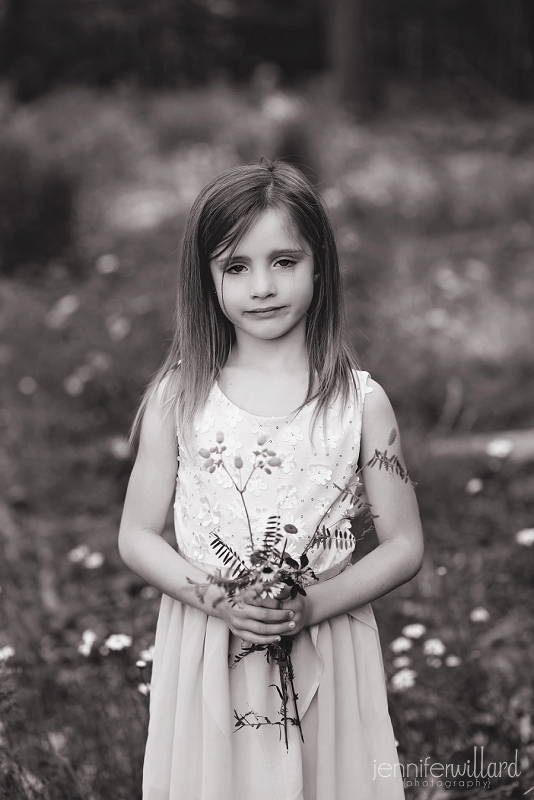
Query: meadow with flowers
434	209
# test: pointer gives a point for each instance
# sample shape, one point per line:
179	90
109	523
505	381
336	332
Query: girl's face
266	286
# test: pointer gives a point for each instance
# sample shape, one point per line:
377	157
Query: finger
270	615
269	629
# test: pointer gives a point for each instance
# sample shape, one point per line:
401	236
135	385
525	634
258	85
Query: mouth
264	312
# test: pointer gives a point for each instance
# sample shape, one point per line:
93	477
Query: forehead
272	228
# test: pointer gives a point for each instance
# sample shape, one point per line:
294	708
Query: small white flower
404	679
93	561
401	644
57	740
525	537
414	631
208	515
256	485
474	486
329	439
260	429
286	497
6	652
323	505
319	474
78	554
118	641
140	663
499	448
147	655
453	661
233	416
86	645
144	688
434	661
205	424
288	463
293	435
401	661
344	525
232	446
479	614
199	545
296	522
223	479
434	647
235	507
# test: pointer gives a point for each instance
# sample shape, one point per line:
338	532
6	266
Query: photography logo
471	774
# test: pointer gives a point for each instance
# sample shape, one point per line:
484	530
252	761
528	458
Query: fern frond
229	556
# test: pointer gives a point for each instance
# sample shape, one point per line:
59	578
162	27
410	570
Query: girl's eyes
237	269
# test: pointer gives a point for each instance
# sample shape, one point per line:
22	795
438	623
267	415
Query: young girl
258	361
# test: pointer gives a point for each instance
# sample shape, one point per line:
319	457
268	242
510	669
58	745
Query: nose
262	284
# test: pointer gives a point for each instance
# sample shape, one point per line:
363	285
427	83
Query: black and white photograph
266	400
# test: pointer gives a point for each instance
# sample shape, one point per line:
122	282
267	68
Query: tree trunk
351	54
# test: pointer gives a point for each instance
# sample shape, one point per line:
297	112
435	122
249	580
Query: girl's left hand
299	607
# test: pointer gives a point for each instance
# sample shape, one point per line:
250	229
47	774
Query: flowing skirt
194	752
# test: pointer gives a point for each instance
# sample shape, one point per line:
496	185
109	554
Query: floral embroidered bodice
305	489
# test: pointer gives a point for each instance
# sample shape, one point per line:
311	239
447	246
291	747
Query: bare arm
145	551
398	557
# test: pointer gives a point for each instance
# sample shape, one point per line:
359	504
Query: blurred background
416	121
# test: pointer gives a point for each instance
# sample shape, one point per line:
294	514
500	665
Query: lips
262	311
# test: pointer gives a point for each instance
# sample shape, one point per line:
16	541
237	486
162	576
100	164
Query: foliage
434	217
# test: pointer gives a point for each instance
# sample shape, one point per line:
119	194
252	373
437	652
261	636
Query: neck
287	354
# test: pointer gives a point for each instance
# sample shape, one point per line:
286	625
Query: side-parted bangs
203	337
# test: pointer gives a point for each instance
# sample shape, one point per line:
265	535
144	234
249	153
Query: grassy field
434	211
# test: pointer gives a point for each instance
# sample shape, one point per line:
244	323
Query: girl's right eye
235	269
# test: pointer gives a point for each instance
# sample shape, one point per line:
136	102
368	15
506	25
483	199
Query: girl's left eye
285	262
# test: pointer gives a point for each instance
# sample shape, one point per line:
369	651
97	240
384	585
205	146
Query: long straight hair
203	336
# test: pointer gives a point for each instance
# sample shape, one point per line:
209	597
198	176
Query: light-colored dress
193	750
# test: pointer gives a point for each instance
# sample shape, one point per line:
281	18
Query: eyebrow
272	255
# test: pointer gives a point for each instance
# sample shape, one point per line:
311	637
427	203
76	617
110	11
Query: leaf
392	436
229	556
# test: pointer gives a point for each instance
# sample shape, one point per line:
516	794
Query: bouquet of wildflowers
268	571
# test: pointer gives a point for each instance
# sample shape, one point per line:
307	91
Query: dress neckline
257	416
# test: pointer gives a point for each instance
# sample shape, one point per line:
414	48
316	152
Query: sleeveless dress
193	750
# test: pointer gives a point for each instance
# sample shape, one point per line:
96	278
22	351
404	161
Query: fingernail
278	639
291	614
291	624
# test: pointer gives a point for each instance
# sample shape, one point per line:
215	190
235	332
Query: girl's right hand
254	623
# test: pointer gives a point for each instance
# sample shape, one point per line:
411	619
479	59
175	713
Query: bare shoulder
379	423
376	402
158	426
